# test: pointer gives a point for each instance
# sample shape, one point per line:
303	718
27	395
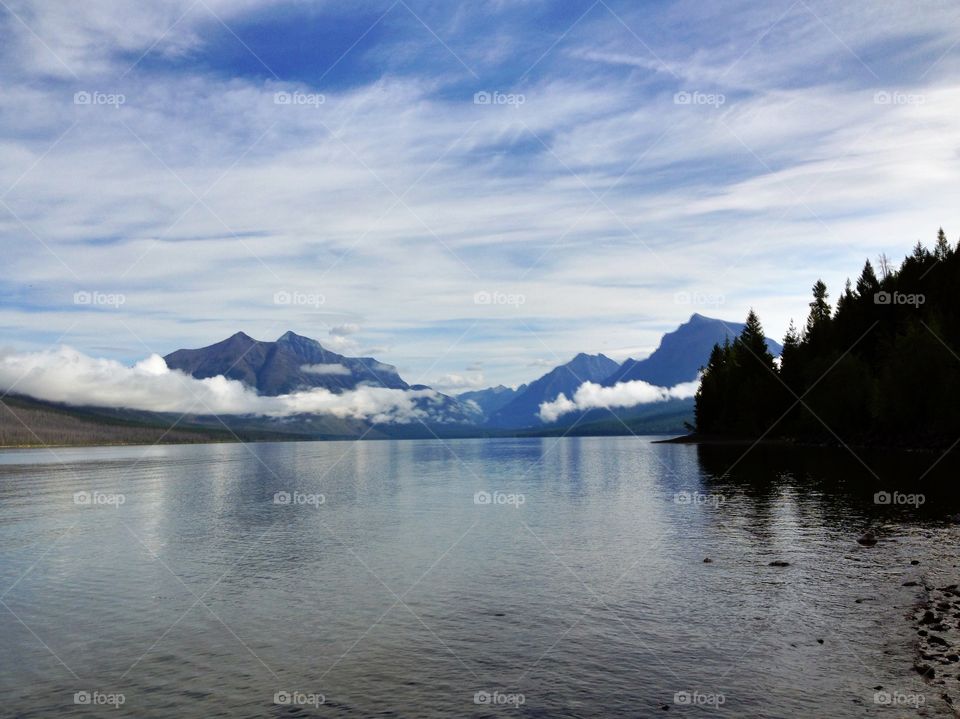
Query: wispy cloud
384	189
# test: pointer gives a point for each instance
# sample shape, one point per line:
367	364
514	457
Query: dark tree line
881	367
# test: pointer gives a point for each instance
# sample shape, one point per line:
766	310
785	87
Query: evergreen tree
868	284
754	342
819	309
791	341
871	372
942	251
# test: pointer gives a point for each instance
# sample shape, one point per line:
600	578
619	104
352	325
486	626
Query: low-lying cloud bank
623	394
68	376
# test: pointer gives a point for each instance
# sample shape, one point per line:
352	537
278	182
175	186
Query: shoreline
720	440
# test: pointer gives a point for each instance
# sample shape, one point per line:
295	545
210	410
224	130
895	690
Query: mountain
295	363
492	399
523	409
291	363
681	353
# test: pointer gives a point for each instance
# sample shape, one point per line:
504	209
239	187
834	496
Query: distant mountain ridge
523	410
682	353
293	362
677	359
488	401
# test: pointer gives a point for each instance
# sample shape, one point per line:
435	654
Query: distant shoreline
720	440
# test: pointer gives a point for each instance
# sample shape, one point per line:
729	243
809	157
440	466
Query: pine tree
847	298
920	253
753	340
942	251
790	357
819	309
868	284
791	340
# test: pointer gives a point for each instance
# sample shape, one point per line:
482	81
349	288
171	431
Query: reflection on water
421	585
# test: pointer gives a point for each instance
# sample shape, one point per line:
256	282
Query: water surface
388	586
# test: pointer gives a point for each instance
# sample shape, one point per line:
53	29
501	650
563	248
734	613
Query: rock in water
867	539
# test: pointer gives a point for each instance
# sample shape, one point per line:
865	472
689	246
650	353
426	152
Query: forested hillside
883	366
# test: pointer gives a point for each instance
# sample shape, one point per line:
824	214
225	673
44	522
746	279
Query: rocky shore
936	618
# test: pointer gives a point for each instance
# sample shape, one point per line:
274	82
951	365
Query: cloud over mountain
68	376
623	394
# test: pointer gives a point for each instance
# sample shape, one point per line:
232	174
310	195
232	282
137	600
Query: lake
491	577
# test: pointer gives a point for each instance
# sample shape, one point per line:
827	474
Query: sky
473	192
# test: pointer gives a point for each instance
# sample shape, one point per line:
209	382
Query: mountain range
294	363
676	360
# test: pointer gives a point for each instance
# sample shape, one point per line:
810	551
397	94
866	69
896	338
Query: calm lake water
504	577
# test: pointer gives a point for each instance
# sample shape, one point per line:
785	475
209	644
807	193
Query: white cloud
68	376
334	369
348	328
623	394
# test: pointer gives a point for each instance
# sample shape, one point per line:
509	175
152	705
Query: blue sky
641	161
